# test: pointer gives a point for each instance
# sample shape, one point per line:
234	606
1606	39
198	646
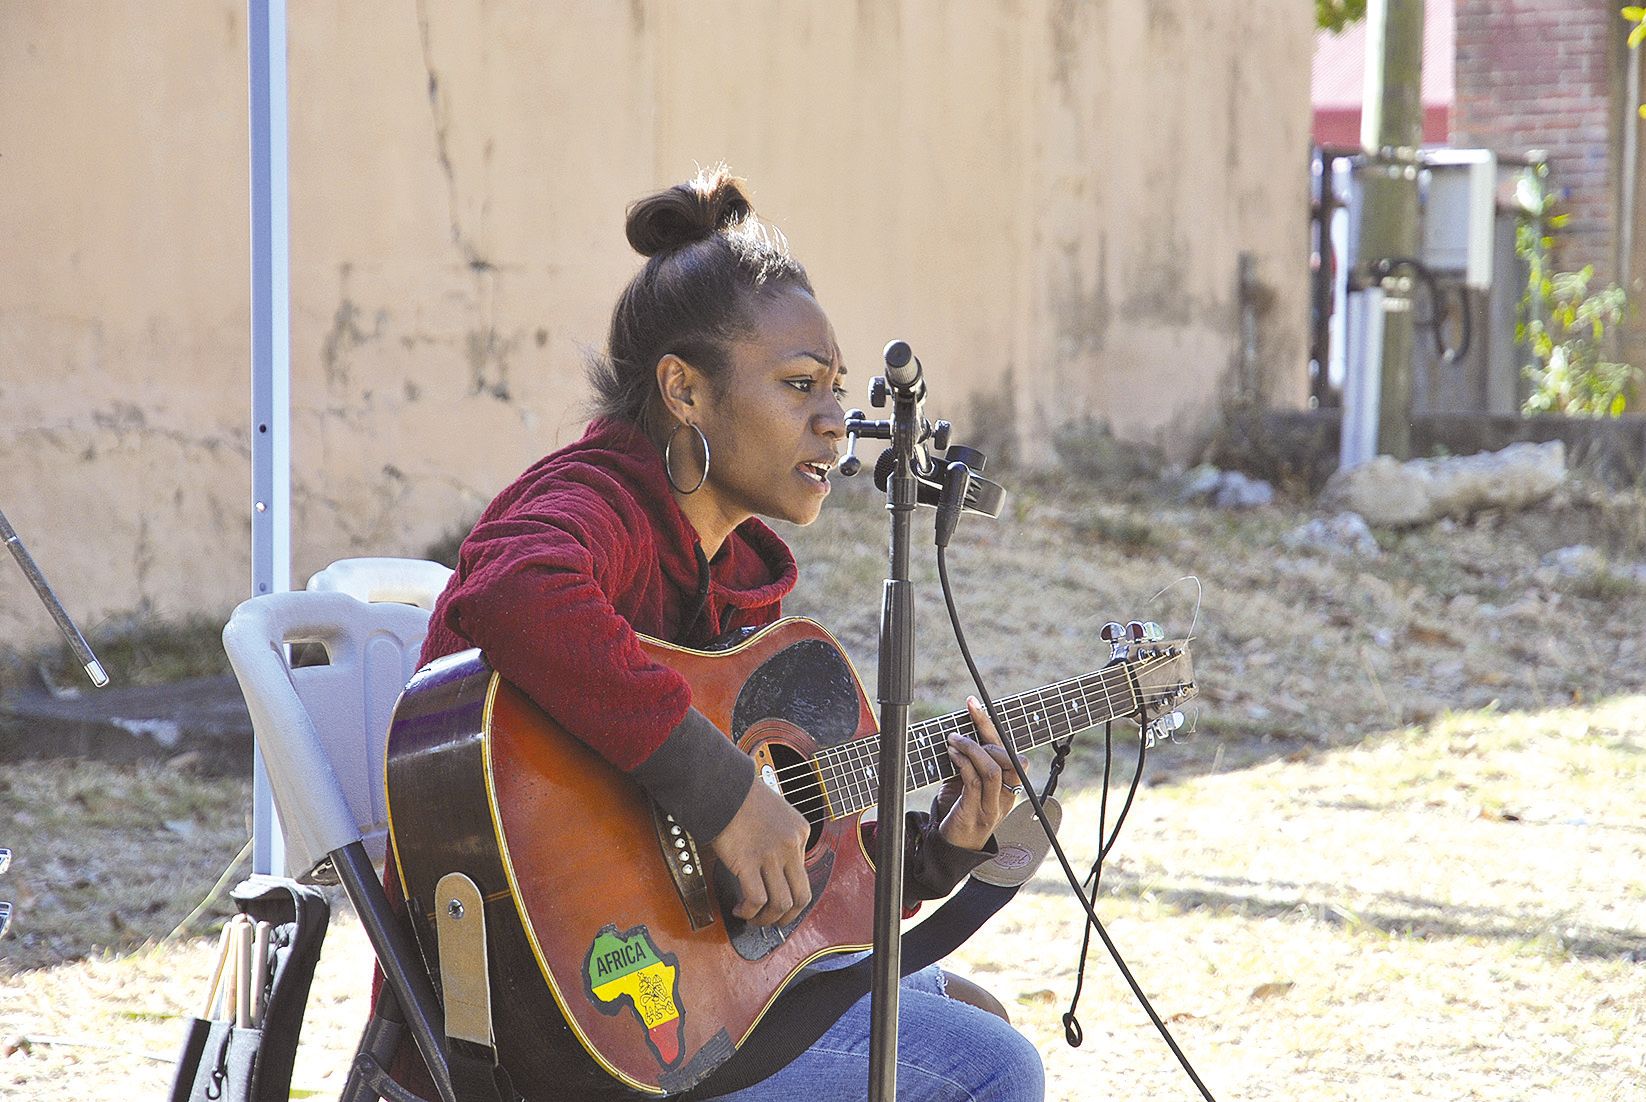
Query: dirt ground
1399	852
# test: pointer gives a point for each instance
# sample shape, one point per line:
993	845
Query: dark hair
709	258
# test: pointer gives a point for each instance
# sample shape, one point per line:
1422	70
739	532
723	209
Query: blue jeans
947	1051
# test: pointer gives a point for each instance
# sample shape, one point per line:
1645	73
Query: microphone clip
949	479
859	425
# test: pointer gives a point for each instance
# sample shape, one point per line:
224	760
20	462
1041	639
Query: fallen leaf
1431	636
16	1044
1271	990
1044	997
1496	814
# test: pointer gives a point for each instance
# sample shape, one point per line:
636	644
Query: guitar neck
851	771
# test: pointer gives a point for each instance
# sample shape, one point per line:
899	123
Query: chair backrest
323	729
408	581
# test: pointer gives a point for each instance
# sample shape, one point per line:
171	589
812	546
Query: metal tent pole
270	358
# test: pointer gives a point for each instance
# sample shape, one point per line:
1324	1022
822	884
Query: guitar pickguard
809	684
754	942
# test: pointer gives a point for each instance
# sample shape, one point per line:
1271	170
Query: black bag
224	1063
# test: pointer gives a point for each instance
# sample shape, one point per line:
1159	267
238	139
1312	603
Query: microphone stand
907	430
911	477
42	588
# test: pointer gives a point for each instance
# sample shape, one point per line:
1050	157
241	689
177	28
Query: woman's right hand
764	848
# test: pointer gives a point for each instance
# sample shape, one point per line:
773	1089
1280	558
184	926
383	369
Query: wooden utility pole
1391	129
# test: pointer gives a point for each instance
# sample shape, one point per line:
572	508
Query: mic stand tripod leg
76	641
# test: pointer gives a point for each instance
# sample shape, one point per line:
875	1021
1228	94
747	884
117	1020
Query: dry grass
1400	857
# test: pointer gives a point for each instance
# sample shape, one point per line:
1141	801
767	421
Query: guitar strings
1017	708
863	790
855	764
864	784
856	752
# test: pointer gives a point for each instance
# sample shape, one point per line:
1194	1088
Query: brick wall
1540	74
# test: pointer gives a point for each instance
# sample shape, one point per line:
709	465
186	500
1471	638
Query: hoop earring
668	467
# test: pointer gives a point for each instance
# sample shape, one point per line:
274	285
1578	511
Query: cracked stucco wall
1051	192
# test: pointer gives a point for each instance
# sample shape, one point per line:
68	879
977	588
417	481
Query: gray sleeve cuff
698	775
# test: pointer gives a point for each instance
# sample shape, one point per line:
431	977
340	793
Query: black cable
1131	793
1386	267
1057	847
1073	1033
1102	810
1094	879
1060	754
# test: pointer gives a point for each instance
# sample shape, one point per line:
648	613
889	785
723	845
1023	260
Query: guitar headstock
1162	672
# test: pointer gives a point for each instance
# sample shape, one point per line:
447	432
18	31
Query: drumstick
223	1003
242	1011
259	971
217	973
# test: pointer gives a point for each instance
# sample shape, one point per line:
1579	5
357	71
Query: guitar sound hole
798	778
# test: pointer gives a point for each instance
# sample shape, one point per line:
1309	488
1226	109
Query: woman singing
718	402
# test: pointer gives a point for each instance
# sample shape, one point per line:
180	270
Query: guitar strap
806	1011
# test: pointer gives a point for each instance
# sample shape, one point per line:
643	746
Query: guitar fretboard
851	771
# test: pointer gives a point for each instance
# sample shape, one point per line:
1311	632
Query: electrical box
1459	198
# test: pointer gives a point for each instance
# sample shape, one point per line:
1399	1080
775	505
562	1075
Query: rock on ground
1388	493
1581	560
1345	533
1225	489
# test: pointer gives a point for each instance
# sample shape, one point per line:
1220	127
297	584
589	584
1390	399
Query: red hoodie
564	567
579	553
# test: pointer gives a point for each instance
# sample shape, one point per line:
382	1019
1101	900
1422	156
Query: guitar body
614	957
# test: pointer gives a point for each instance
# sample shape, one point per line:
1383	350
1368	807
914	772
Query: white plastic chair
407	581
323	731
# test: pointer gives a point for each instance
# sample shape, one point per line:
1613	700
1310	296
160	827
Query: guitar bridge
685	866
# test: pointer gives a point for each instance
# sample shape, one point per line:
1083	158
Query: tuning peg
5	917
1134	630
1162	726
1153	632
5	860
1112	632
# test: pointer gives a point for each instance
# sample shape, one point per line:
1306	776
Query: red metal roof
1339	77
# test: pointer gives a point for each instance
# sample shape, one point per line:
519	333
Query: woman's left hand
971	805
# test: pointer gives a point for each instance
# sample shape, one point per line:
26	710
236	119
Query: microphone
903	374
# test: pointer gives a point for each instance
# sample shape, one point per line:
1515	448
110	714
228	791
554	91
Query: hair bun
688	212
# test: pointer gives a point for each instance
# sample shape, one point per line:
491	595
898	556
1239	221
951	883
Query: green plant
1334	15
1637	34
1563	326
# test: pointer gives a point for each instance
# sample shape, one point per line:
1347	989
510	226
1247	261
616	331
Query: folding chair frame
296	748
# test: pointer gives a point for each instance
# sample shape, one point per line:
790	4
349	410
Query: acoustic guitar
616	965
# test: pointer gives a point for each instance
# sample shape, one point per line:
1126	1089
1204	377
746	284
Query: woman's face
773	419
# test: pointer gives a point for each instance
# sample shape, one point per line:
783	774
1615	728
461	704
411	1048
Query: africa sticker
627	968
